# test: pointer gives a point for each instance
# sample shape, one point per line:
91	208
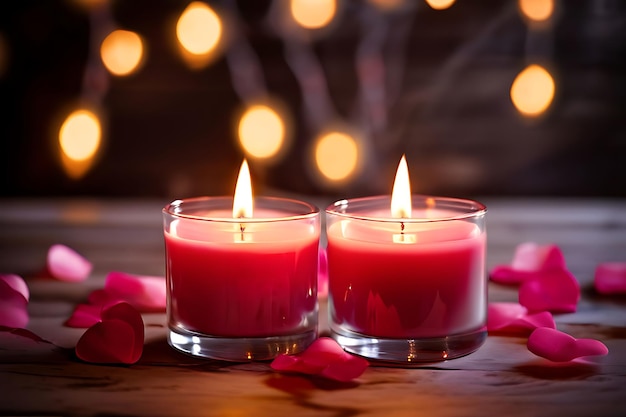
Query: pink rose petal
17	283
557	346
530	257
513	318
66	264
84	316
145	293
13	307
324	358
610	278
553	290
322	273
118	338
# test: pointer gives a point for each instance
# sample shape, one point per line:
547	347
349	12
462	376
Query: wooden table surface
502	378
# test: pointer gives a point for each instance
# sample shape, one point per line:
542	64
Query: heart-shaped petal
557	346
118	338
610	278
145	293
13	307
554	290
66	264
324	358
513	318
17	283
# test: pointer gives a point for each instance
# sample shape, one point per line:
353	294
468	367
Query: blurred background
164	98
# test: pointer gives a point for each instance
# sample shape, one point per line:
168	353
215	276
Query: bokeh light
261	132
532	90
80	138
313	14
199	29
122	52
440	4
336	156
536	10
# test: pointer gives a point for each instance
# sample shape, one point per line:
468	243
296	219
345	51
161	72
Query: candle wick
242	229
401	228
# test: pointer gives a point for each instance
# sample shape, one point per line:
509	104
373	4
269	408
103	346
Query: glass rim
474	209
312	210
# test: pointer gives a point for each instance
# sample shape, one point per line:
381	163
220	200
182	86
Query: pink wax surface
429	282
221	285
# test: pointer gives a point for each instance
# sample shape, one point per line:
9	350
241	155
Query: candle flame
401	194
242	202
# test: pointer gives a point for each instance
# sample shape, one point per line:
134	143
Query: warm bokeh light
199	29
122	52
401	193
536	10
440	4
80	139
261	132
313	14
532	91
242	201
336	156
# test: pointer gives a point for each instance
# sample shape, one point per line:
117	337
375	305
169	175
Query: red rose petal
610	278
145	293
324	358
66	264
513	318
17	283
13	307
118	338
553	290
557	346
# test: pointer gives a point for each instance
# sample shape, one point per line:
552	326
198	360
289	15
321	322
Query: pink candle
241	282
407	275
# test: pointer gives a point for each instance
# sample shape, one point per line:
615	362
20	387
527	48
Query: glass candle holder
411	290
241	289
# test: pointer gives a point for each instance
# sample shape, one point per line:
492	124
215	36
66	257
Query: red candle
407	275
242	284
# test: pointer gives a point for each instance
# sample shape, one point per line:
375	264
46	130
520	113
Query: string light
532	90
440	4
536	10
80	138
336	156
122	52
199	29
313	14
261	132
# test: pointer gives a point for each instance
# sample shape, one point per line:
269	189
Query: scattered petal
529	260
557	346
118	338
553	290
513	318
504	274
13	307
322	273
84	316
23	333
324	358
66	264
610	278
17	283
145	293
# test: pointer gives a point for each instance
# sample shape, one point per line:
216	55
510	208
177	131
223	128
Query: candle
407	275
241	274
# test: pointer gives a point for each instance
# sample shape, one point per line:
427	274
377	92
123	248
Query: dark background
169	129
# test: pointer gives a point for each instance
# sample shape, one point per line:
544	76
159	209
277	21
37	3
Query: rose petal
84	316
610	278
13	307
66	264
145	293
513	318
530	256
324	358
553	290
17	283
118	338
322	273
557	346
